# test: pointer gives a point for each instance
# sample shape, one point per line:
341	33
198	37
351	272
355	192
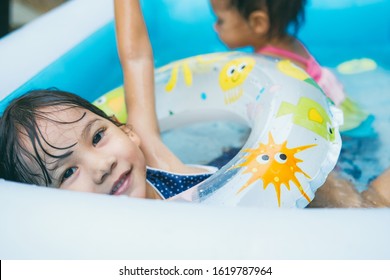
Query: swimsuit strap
285	54
311	65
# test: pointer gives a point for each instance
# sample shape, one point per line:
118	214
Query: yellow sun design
232	76
188	65
274	164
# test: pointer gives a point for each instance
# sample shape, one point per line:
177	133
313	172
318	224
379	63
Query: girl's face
232	28
103	158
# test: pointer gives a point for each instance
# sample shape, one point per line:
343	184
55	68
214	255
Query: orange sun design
274	164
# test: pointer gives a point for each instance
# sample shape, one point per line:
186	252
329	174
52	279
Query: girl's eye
219	21
68	173
97	137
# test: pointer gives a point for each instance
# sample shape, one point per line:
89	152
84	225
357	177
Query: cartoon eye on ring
101	100
330	129
241	67
230	71
263	159
280	157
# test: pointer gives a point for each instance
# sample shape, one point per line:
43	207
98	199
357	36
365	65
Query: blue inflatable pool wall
334	32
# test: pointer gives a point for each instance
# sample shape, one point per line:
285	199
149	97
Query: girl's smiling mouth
122	184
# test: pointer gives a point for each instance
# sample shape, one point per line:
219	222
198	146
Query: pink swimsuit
323	76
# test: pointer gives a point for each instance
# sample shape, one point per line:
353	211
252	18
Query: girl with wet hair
57	139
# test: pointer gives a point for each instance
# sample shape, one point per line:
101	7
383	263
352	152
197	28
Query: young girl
264	25
57	139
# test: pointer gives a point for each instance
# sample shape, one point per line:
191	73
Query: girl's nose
102	167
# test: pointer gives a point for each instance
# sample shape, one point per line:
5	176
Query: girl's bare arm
136	57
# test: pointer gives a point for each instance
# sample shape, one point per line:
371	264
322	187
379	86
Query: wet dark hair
282	13
20	119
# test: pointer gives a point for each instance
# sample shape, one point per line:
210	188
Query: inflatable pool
42	223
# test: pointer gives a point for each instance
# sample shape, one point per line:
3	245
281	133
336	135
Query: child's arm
135	53
136	57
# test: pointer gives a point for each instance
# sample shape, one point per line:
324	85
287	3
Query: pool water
361	159
213	143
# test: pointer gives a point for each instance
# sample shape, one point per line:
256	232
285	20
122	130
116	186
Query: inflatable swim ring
294	141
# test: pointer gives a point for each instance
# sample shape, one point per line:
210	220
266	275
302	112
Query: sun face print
232	77
200	63
274	164
176	67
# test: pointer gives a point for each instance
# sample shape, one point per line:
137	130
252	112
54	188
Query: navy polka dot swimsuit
170	184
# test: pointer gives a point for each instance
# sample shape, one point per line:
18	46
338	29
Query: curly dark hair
282	13
19	122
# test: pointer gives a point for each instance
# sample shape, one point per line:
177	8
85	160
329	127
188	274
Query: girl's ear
128	129
259	22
